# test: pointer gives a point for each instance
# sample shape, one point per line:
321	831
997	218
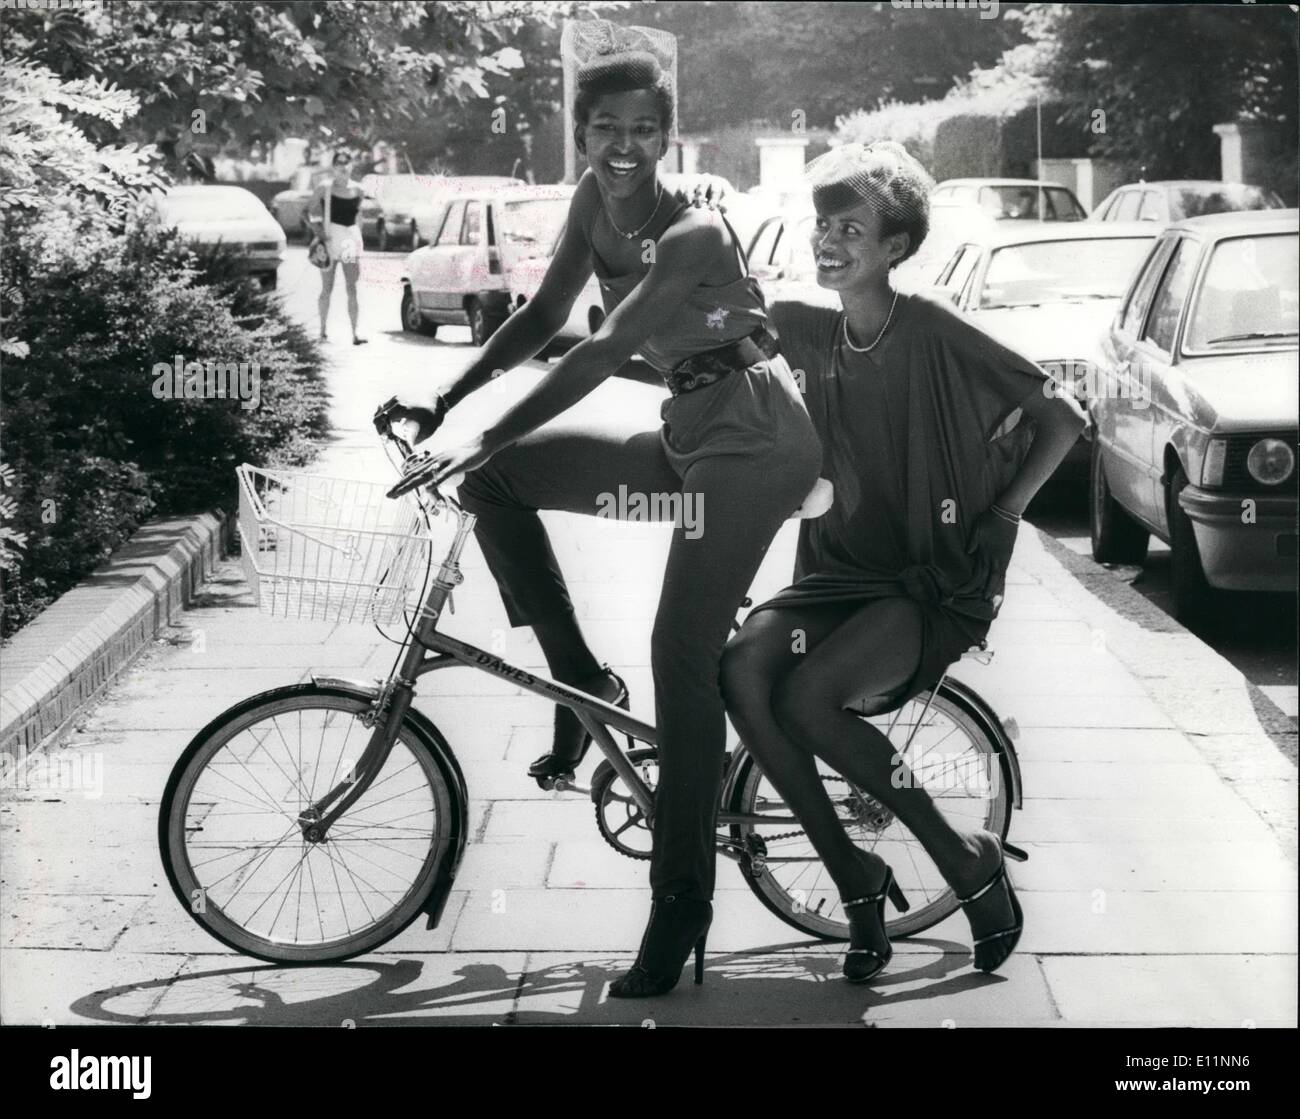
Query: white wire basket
330	549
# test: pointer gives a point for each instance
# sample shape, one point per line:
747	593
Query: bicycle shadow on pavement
782	985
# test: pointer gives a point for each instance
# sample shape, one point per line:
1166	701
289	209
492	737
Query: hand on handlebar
419	421
445	468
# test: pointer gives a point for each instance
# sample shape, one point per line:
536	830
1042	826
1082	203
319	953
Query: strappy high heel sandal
863	964
571	741
992	951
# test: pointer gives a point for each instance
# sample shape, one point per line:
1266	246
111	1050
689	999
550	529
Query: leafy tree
344	70
765	62
1217	63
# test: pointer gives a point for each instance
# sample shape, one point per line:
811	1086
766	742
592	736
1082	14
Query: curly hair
886	177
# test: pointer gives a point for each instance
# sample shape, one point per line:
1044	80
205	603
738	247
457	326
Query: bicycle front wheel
948	754
235	853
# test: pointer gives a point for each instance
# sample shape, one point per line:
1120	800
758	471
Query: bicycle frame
429	651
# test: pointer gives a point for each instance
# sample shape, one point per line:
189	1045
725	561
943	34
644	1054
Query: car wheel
412	321
381	237
1116	537
1192	592
595	319
482	325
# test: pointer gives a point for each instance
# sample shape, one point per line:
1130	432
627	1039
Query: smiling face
850	251
623	140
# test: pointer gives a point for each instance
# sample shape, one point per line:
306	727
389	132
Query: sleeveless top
713	315
343	211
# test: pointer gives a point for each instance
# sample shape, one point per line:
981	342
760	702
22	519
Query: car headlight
1270	462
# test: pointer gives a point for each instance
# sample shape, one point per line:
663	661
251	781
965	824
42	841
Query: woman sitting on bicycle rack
907	570
736	443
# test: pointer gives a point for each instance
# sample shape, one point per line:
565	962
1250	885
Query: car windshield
535	221
1022	202
1061	271
211	204
1220	198
1248	299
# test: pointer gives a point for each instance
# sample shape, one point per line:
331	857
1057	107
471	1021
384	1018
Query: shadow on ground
797	985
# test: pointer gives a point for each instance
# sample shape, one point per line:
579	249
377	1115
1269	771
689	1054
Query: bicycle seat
818	501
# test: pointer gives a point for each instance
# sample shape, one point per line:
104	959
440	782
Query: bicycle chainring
618	817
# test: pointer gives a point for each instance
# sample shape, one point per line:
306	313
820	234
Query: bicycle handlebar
418	467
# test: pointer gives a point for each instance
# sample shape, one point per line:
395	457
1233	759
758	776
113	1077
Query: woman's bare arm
1058	419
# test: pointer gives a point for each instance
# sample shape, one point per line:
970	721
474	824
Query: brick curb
55	667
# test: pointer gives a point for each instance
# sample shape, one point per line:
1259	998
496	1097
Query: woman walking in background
907	569
333	215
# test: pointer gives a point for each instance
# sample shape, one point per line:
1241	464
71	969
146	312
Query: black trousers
727	509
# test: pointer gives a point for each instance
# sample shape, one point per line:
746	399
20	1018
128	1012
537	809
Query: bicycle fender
977	707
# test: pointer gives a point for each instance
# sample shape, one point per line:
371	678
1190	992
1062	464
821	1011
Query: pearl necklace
867	349
628	236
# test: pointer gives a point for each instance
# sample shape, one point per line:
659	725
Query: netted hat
883	175
606	56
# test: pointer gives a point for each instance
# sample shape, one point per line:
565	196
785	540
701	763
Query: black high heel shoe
676	926
991	951
863	964
571	741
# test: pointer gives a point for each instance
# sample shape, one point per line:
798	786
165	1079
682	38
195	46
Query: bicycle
271	798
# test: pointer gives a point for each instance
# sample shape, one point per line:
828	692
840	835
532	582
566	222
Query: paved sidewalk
1158	892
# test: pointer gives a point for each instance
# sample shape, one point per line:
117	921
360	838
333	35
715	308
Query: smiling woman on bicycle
736	443
906	571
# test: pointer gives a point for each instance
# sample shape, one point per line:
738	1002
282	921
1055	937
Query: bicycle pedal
565	785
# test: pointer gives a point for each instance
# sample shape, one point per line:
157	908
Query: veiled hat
884	175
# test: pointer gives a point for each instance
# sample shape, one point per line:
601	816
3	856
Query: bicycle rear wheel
949	754
235	853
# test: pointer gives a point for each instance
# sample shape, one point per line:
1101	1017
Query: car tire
595	319
1192	593
482	324
381	238
270	280
412	321
1116	537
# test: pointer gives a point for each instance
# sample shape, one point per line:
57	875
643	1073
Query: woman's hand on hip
991	542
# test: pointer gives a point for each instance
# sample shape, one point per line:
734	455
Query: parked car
1208	333
1179	199
1010	199
391	219
231	216
1047	290
430	207
781	258
463	276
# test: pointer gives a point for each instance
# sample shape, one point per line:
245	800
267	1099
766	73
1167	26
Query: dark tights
790	708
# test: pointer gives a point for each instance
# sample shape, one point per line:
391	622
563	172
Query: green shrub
94	450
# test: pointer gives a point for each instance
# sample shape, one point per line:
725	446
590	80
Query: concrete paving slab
77	987
1239	991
